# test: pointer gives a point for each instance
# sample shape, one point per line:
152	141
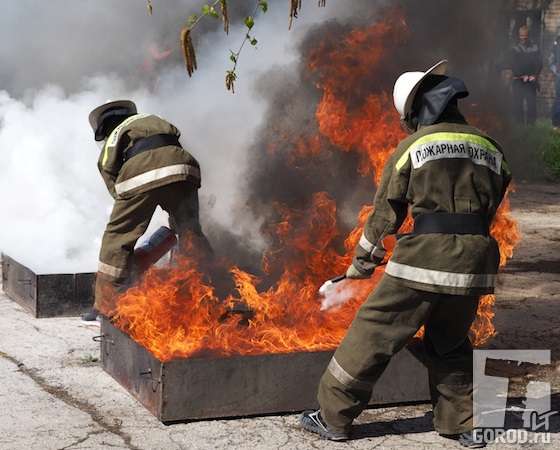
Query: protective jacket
143	153
448	167
525	59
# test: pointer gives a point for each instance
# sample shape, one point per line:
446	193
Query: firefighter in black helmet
451	177
143	165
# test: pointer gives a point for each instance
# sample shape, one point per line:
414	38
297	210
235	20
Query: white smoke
61	59
337	294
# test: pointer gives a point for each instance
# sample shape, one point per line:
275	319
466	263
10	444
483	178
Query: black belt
451	223
151	142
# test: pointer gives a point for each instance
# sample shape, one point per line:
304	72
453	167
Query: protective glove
354	274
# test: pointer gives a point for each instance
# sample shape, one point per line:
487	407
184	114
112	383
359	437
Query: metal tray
47	295
204	388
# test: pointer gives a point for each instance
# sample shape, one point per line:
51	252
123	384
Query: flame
505	230
370	127
174	312
154	55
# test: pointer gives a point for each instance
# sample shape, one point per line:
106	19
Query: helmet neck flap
109	120
435	93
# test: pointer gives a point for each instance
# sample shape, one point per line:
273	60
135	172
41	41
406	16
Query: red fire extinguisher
152	249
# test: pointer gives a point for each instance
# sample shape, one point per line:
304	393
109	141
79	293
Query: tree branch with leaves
211	10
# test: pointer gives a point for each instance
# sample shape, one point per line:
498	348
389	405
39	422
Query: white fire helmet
111	104
407	85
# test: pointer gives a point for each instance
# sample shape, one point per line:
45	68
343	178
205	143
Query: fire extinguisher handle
339	278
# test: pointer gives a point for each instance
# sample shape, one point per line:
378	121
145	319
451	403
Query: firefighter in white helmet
450	177
143	165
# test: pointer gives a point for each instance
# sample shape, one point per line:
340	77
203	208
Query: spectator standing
526	65
553	61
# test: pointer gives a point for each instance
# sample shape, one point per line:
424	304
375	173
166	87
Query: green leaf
91	359
206	9
253	41
233	58
193	19
264	6
214	14
249	22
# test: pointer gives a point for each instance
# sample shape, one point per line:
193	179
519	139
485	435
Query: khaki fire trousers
129	220
384	324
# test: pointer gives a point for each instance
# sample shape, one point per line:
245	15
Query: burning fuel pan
225	387
47	295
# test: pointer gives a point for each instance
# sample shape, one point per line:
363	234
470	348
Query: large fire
174	313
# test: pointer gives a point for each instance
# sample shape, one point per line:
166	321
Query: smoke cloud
61	59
